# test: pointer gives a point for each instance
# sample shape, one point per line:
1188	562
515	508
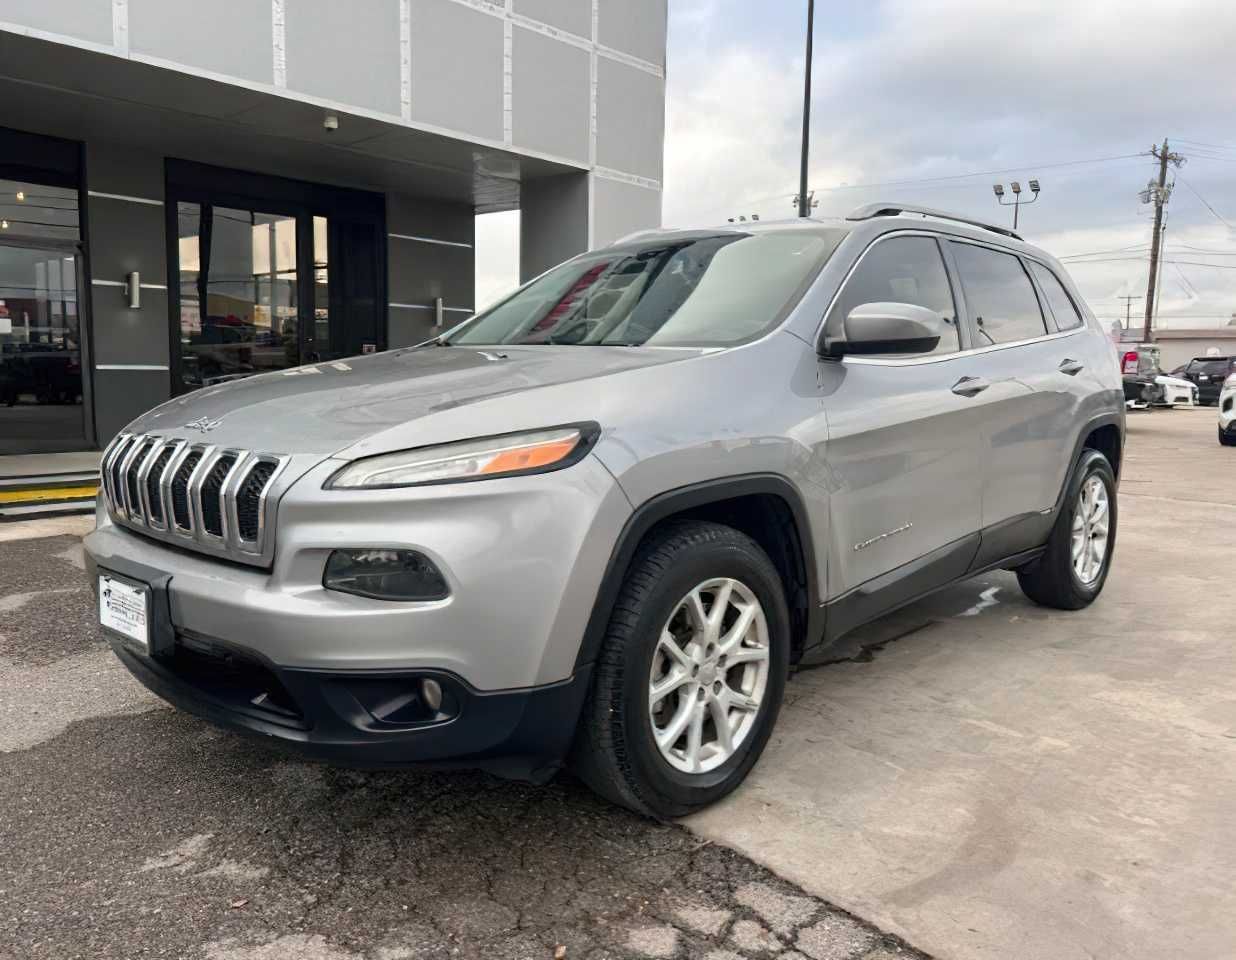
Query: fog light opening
384	574
431	694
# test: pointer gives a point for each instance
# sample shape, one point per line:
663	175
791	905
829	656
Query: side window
999	295
901	270
1062	308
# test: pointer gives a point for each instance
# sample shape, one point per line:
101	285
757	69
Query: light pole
804	201
1017	201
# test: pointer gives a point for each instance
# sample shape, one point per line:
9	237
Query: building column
126	233
553	222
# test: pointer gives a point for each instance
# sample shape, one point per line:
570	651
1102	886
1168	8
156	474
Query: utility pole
1128	310
804	201
1159	193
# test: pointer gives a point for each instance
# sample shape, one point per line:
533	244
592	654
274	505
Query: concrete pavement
1008	781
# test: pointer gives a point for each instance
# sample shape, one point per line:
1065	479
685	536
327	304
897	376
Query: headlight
509	455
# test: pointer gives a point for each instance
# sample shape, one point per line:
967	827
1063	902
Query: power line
978	173
1202	143
789	195
1193	190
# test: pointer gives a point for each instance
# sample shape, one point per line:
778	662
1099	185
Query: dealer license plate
124	608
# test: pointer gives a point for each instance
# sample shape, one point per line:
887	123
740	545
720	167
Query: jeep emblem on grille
204	424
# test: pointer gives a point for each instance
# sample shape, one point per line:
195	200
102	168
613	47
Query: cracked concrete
1005	780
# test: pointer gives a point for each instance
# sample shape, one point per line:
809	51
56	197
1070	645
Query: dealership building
192	192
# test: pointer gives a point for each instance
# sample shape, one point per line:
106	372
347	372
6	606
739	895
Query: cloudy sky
933	102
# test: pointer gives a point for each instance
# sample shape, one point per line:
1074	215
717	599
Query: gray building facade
192	192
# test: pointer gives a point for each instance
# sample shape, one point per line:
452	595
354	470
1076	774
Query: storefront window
238	293
40	328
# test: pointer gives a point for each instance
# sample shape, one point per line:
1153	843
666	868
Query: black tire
1227	441
1051	580
614	751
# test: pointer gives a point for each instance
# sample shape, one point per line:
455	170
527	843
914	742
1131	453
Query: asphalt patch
158	836
47	610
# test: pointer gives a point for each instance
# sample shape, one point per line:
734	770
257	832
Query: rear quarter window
1058	299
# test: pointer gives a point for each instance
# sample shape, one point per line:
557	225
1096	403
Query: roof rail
871	210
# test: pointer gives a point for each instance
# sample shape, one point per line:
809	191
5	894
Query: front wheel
1227	440
1072	570
690	675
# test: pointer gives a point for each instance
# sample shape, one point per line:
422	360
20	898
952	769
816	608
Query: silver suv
601	522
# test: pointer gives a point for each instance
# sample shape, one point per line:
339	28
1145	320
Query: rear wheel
1072	570
691	673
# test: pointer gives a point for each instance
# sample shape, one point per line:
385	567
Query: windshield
709	290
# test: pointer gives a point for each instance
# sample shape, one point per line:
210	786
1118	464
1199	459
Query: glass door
270	273
239	293
41	407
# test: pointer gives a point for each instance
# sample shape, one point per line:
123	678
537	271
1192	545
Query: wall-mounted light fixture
133	290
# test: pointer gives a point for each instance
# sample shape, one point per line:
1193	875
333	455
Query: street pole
1164	156
804	202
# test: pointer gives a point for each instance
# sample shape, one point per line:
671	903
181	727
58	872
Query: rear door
1031	407
903	441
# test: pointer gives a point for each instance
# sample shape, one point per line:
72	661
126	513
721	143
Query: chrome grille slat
204	497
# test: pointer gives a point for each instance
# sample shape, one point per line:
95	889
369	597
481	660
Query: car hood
326	408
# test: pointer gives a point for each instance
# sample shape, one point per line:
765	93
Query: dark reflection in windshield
700	290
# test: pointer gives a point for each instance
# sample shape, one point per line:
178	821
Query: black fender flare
1094	423
667	504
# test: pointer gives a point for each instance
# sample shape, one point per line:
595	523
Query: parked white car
1227	412
1176	392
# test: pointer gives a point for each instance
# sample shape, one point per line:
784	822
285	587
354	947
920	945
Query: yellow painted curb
36	494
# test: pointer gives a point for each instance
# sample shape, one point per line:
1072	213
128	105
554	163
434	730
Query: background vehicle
1227	412
603	519
1208	373
1176	392
1140	369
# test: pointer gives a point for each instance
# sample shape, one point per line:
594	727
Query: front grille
249	500
182	514
212	495
203	497
154	499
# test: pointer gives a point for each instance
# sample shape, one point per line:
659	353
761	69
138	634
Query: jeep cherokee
599	523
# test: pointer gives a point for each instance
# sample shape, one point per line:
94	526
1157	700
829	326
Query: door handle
1071	367
970	386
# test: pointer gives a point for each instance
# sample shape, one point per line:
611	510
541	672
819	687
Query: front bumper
274	654
521	734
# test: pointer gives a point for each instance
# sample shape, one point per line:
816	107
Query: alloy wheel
709	675
1090	530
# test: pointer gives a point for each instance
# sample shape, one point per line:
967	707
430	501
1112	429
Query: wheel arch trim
679	500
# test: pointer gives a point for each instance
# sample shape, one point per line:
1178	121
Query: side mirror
887	328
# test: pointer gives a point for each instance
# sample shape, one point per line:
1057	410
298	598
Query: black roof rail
870	210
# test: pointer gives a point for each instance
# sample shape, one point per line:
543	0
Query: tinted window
1061	305
713	290
900	270
999	295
